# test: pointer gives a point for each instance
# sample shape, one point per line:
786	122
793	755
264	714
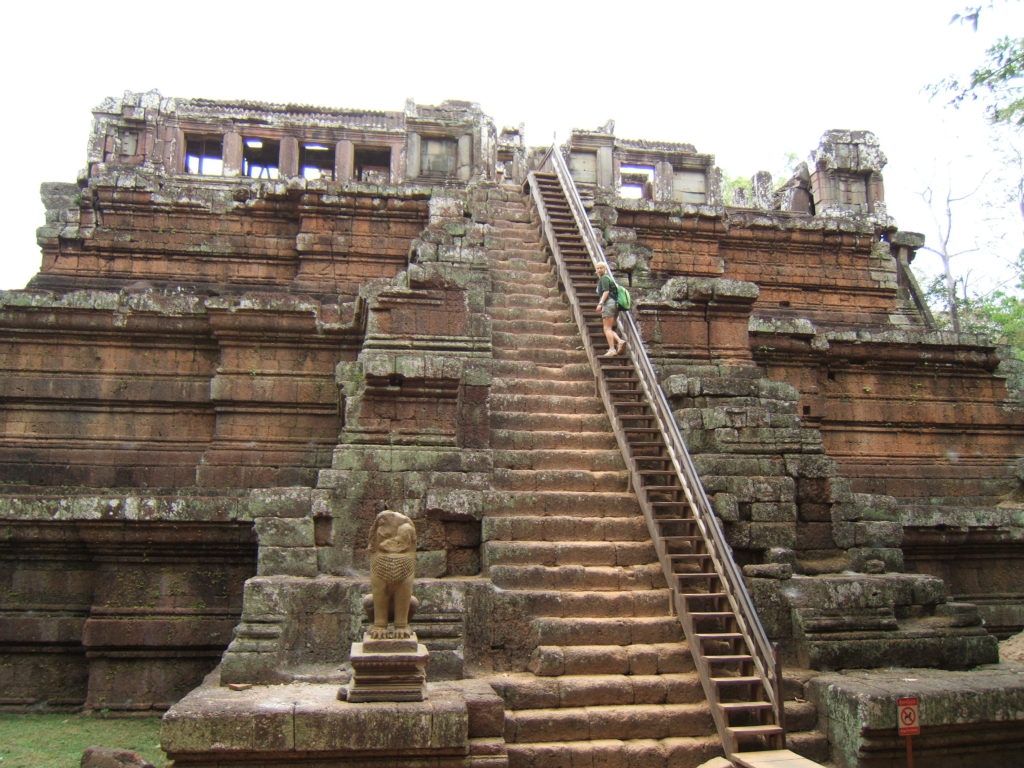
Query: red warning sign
906	717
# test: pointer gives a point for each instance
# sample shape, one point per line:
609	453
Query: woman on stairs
608	306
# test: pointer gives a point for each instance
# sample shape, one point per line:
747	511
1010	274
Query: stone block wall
831	276
763	422
130	371
924	417
839	276
116	602
979	554
415	440
229	236
172	390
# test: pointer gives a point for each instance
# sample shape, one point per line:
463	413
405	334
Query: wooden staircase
736	664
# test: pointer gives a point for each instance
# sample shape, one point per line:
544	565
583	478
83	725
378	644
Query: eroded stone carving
392	571
390	663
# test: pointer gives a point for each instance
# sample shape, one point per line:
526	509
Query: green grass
58	741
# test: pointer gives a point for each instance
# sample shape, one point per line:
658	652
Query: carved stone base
968	719
387	669
459	724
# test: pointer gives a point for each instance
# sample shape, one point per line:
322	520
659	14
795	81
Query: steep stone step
517	288
635	659
524	270
675	752
801	715
516	255
514	224
523	385
517	327
551	422
511	280
571	371
526	691
565	356
551	338
512	229
621	630
640	721
592	460
591	603
570	577
544	404
552	553
546	298
557	528
560	503
522	258
525	439
560	479
555	313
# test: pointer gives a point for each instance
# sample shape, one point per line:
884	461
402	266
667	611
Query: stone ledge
970	719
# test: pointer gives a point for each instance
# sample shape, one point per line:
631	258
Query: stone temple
256	326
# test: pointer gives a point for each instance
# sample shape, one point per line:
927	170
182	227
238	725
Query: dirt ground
1012	648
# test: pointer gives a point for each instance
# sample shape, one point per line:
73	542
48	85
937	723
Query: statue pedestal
387	669
458	724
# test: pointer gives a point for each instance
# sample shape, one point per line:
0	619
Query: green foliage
58	741
1001	78
998	82
1006	313
732	184
999	314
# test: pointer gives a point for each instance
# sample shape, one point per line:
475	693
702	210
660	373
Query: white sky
745	80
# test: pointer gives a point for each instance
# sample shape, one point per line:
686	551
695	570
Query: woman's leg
609	333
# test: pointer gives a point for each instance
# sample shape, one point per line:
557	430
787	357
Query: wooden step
772	758
730	707
739	680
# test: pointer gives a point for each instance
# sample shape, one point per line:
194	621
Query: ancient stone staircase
609	678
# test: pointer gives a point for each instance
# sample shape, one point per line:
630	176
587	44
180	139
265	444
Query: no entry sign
906	716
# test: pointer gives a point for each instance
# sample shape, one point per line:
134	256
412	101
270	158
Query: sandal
620	346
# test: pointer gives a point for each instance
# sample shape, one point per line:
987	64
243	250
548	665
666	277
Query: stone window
690	187
127	143
204	155
261	158
853	190
636	182
316	160
583	166
438	158
373	164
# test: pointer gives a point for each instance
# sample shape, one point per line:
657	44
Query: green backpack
622	297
